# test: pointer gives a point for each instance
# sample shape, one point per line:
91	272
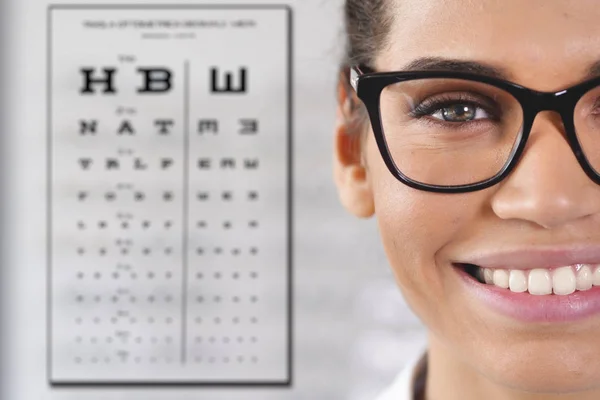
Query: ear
350	171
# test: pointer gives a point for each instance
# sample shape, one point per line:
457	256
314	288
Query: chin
548	369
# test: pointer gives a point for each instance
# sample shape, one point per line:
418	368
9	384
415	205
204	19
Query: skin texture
475	353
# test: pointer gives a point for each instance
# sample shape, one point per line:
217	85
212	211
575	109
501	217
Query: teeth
563	281
540	282
585	280
517	281
501	278
560	281
479	275
488	275
596	276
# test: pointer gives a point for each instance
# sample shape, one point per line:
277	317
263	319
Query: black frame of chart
169	195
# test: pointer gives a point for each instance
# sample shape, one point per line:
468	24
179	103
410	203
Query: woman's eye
460	113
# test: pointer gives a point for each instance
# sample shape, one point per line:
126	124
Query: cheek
416	227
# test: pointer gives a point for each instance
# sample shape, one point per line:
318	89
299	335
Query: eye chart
170	195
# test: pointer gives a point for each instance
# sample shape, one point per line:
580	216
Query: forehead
546	45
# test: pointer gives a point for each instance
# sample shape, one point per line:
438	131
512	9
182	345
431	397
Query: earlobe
355	192
350	173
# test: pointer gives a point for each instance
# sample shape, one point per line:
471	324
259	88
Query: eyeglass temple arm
356	72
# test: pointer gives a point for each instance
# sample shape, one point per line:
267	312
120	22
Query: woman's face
547	201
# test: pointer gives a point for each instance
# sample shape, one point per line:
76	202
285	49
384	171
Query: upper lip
535	257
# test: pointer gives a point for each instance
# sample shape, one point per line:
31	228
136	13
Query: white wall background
352	331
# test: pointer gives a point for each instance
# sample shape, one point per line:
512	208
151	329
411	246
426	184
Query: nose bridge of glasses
560	104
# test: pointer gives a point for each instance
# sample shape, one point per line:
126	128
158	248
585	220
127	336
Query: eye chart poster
170	195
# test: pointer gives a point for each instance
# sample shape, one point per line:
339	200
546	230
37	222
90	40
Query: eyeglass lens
451	132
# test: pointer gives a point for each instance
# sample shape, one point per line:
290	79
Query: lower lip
530	308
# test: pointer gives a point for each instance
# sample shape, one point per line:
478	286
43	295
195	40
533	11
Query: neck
449	378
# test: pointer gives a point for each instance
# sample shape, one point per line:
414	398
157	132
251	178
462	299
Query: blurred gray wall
352	330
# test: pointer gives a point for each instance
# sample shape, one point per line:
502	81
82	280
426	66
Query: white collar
407	382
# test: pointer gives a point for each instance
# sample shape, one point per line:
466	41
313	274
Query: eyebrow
453	65
475	67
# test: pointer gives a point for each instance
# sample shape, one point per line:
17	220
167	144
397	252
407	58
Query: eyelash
430	106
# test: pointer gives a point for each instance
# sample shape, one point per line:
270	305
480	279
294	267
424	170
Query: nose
548	187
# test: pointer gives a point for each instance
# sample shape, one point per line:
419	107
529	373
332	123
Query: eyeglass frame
369	85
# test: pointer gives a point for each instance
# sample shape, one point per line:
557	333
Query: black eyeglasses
456	132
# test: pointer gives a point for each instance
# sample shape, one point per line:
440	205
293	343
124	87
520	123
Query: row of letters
164	127
168	196
159	81
166	163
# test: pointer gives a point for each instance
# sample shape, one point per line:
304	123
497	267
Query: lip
536	257
528	308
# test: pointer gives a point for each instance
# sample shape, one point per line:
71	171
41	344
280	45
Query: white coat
409	382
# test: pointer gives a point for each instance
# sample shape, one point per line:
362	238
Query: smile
539	282
536	295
